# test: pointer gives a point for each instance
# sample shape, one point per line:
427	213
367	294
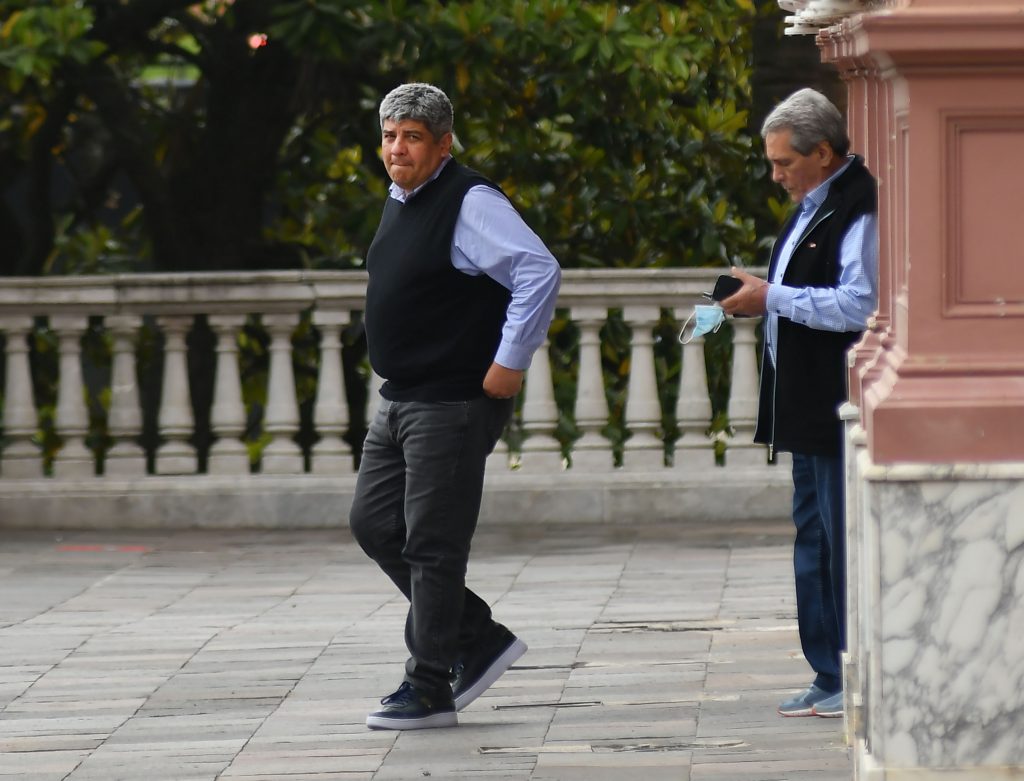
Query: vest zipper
807	232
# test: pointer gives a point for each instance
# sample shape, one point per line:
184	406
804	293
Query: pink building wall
937	107
934	667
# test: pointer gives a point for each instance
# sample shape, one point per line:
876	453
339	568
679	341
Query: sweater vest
801	395
432	331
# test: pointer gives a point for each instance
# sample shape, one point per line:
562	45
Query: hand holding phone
747	294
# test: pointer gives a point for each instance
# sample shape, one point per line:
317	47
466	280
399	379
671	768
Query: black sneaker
472	676
409	708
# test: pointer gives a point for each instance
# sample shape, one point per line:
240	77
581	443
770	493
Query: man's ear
825	153
446	143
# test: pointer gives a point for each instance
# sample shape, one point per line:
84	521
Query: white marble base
937	626
868	770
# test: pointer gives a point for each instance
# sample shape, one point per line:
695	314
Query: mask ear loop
683	329
688	319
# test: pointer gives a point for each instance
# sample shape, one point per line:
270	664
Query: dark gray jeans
415	511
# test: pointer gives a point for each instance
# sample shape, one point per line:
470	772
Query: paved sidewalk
656	652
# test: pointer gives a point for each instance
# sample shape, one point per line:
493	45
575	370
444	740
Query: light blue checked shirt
491	238
845	307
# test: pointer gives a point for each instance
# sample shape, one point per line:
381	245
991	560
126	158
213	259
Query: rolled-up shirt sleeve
492	238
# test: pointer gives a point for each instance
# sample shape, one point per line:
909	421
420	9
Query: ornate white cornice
809	17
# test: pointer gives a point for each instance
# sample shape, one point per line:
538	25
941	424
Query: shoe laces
404	694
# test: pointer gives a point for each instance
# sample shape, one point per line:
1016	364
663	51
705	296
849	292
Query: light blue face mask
707	318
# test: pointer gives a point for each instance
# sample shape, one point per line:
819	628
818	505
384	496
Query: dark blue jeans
415	511
819	563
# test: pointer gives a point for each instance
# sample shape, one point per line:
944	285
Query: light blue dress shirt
491	238
845	307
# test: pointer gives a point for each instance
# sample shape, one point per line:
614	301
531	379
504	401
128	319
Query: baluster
175	455
743	400
73	459
500	459
693	449
332	454
281	420
591	450
644	449
541	450
124	421
20	457
373	396
228	454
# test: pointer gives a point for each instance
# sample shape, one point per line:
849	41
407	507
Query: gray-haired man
822	286
460	295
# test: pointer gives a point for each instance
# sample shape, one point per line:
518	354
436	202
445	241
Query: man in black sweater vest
822	286
460	294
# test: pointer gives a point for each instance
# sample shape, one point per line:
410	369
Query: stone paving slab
657	651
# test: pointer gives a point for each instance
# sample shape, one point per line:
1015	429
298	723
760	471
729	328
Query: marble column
945	622
935	444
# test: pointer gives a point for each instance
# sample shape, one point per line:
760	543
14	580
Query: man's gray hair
812	118
421	103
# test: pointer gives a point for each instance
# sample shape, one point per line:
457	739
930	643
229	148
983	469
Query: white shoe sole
444	719
498	668
794	713
832	714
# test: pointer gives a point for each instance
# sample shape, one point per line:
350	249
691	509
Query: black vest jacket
800	396
432	331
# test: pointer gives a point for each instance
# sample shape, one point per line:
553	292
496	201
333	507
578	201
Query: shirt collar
816	197
402	196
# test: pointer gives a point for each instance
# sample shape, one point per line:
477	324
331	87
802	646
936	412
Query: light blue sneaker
803	704
830	708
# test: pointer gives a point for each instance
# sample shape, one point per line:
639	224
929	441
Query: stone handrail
170	303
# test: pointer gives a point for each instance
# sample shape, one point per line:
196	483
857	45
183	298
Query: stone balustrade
176	479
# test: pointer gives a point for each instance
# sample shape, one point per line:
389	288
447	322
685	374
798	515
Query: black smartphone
725	286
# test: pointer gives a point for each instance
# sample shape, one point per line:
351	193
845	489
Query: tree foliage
172	135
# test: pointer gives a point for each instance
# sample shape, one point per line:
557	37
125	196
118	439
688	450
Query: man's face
411	154
798	174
